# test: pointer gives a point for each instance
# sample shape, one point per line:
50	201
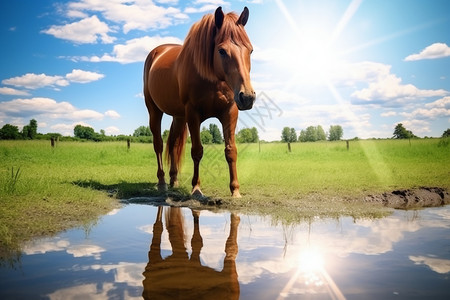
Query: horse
179	276
208	76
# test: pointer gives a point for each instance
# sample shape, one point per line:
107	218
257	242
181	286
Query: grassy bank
45	190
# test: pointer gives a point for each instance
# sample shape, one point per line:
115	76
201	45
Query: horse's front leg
229	126
196	151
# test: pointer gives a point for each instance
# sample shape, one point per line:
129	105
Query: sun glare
315	56
311	260
312	48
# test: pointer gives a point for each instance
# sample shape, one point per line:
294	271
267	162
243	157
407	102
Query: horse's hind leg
175	146
196	151
155	127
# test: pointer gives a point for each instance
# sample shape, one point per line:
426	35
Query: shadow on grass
127	190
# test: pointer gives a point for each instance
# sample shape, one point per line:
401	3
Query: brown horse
208	76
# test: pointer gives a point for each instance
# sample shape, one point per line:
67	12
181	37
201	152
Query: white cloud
441	103
34	81
418	127
366	71
439	265
326	115
11	91
112	114
433	113
391	88
112	130
202	6
383	86
140	15
86	251
389	114
436	50
55	116
437	109
135	50
129	273
45	245
85	291
81	76
85	31
47	108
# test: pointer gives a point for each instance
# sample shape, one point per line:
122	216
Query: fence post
348	145
128	143
289	147
52	142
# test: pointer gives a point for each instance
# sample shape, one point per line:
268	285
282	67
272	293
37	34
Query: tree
400	132
255	135
30	131
84	132
288	135
312	134
247	135
336	132
9	132
165	135
142	131
293	135
446	133
206	136
215	134
321	136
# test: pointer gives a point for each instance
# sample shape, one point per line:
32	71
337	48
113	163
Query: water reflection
156	253
179	276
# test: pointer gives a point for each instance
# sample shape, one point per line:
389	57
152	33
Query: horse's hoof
197	193
236	194
162	187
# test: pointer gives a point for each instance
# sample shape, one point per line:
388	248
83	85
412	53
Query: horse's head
232	49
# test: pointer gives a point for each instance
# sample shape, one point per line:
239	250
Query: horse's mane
200	41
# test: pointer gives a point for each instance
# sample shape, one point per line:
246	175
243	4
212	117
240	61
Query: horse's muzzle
245	101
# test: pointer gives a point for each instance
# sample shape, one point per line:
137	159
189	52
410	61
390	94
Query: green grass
329	169
45	190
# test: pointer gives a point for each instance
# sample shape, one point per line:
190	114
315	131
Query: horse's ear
218	17
243	18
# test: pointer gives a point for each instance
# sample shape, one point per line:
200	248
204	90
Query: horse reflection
179	276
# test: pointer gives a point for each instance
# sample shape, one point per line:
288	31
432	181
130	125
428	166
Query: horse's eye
222	52
251	51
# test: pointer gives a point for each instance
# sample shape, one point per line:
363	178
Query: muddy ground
399	199
412	198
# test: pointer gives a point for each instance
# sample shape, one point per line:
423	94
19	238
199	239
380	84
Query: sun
312	49
309	53
315	56
311	260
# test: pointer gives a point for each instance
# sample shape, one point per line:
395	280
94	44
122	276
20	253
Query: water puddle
176	253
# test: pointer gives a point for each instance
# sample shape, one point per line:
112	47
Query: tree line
312	134
11	132
210	135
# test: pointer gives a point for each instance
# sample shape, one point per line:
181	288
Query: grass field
45	190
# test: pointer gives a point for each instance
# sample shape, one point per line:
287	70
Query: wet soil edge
399	199
412	198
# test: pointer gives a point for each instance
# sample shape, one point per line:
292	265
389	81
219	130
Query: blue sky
364	65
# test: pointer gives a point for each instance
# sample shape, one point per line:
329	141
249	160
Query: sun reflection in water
311	260
311	277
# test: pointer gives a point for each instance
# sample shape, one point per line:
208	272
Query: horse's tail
176	144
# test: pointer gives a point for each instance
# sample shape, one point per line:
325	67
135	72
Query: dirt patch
412	198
